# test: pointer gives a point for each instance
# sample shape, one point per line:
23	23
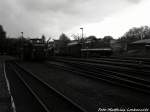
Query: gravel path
89	93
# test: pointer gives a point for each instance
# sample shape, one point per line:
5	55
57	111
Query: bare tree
76	37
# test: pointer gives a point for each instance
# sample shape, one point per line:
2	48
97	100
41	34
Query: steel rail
30	89
121	81
118	68
133	65
65	98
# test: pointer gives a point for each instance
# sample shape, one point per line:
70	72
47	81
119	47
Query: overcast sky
52	17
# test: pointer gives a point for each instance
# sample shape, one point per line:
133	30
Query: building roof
144	41
97	49
73	43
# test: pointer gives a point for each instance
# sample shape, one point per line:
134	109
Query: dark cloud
35	17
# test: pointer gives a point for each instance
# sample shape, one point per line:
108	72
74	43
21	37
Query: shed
141	46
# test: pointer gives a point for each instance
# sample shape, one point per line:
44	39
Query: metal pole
82	32
82	37
22	34
141	36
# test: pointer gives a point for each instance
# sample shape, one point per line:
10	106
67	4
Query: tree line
133	34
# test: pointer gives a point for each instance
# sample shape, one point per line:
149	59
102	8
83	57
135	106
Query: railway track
48	97
93	71
134	60
134	64
141	71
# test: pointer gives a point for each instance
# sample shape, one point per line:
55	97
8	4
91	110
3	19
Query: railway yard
48	65
75	84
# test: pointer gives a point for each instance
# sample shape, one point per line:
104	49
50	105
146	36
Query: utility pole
141	36
82	32
82	36
22	35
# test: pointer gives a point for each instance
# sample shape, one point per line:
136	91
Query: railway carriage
74	49
96	52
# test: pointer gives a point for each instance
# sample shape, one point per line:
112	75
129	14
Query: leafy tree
63	38
43	38
107	39
134	34
137	33
105	42
92	38
62	43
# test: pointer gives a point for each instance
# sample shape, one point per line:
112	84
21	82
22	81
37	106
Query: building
140	47
2	40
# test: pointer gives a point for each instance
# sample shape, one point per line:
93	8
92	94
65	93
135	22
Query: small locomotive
33	49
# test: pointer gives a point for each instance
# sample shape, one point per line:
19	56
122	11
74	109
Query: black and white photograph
74	56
